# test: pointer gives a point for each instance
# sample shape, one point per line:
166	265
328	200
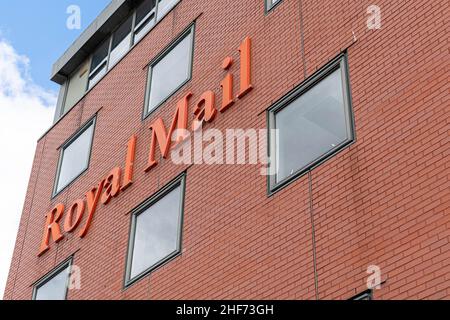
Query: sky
33	35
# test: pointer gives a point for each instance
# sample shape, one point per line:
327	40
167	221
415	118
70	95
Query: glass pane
165	6
55	288
98	58
145	19
77	86
156	232
142	30
170	72
121	42
273	2
144	9
97	76
100	55
311	126
75	158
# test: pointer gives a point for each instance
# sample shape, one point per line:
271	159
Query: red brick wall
383	201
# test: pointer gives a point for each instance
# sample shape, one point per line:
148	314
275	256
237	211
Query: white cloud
26	111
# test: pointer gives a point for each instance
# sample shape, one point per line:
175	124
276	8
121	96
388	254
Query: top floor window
121	42
111	50
98	63
145	18
76	87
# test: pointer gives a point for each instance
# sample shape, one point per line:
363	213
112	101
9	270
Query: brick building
363	179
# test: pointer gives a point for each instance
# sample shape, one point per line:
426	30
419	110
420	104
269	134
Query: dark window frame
365	295
92	121
53	273
340	62
103	64
59	114
189	30
179	181
268	6
138	26
132	18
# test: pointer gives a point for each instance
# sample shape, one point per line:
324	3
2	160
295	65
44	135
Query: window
75	156
109	53
145	19
121	42
53	286
312	123
148	13
366	295
271	3
170	71
76	86
99	63
156	228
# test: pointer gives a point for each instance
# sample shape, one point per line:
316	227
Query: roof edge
91	37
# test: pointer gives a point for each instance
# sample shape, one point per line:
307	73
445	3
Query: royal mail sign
61	220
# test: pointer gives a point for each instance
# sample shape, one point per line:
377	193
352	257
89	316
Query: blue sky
38	30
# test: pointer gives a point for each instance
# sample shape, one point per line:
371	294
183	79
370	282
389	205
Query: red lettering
78	207
129	164
246	67
92	198
112	185
52	228
205	110
163	138
227	86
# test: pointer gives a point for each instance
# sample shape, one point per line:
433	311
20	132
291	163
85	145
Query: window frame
133	41
110	66
63	110
59	114
161	55
142	23
339	62
103	64
53	273
91	122
269	6
179	181
365	295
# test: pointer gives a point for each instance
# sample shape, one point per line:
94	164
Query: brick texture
382	201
